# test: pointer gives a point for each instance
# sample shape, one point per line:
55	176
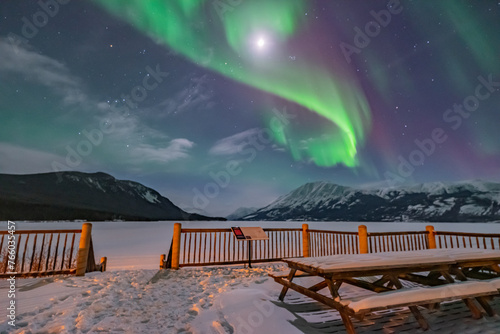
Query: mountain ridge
78	195
436	201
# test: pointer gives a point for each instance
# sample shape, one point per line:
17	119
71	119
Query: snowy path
131	302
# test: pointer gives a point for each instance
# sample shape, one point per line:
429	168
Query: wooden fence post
104	263
431	236
305	240
363	239
176	246
162	261
83	249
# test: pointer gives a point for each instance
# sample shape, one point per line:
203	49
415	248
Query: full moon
261	42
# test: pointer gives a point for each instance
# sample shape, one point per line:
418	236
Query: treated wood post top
176	246
431	236
83	249
305	240
363	239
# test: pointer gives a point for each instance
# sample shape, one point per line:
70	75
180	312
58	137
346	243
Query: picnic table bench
433	268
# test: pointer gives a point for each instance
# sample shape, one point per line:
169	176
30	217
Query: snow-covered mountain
240	212
76	195
323	201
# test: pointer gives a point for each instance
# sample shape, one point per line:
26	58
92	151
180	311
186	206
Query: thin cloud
196	95
177	149
233	144
41	69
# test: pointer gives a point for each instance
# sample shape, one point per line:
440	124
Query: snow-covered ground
134	297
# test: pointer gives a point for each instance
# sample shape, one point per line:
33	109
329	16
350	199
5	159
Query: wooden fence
32	253
467	240
202	247
199	247
324	242
397	241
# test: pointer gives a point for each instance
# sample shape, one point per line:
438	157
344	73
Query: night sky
219	104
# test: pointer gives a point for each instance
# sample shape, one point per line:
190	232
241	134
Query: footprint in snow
63	298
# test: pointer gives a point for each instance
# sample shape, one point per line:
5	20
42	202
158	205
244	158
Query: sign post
249	234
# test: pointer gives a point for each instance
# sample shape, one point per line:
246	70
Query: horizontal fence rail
200	247
324	243
397	241
467	240
40	251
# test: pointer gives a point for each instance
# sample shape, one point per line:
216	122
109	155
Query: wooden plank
204	230
366	285
330	232
17	252
493	235
194	248
485	305
285	288
396	233
422	301
3	237
64	251
419	317
375	270
24	252
40	273
319	286
33	253
314	295
41	253
244	261
299	266
220	244
71	250
486	262
184	241
425	280
476	313
48	252
42	231
495	267
282	229
57	251
297	274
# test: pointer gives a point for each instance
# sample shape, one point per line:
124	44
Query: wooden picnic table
432	268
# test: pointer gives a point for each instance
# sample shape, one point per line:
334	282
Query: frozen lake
138	245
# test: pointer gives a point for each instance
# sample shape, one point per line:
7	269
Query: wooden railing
397	241
323	242
467	240
200	247
32	253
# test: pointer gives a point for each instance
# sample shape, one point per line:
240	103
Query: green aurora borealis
225	45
